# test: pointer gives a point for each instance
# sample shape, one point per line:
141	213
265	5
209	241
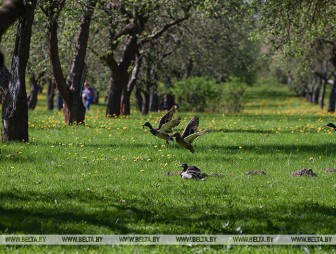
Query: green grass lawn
110	177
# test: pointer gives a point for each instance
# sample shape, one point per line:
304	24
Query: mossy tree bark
14	106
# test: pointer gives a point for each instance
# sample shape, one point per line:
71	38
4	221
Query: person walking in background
87	95
59	101
168	101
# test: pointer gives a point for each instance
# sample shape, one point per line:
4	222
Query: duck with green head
189	134
192	172
166	126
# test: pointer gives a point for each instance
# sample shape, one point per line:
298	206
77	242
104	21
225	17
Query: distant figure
59	101
88	95
94	93
167	102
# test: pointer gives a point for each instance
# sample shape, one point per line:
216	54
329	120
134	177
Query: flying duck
331	125
189	134
165	126
192	172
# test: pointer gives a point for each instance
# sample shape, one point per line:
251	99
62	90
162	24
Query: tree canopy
133	45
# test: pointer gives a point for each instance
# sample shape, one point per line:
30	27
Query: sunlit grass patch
109	176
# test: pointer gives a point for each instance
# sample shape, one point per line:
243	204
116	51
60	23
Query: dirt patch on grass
304	172
330	170
255	172
216	175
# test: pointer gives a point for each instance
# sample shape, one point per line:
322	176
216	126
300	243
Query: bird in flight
166	125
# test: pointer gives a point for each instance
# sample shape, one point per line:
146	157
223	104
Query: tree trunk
322	95
127	53
316	93
138	97
125	105
114	98
127	91
50	93
145	103
154	101
121	81
34	89
74	110
310	93
62	88
332	98
10	11
14	108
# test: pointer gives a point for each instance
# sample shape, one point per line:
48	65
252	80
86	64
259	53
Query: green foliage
215	38
206	95
234	91
295	25
302	32
196	94
216	42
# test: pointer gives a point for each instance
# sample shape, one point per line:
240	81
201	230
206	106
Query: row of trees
133	41
133	45
303	35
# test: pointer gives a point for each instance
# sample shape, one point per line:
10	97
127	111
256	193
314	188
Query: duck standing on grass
192	172
189	134
165	126
331	125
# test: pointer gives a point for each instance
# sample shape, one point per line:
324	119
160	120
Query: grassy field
110	177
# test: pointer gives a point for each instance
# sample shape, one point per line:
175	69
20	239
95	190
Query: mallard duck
165	126
189	134
192	172
331	125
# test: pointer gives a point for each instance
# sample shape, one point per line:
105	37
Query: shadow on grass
14	156
294	218
224	130
269	94
94	145
299	118
320	149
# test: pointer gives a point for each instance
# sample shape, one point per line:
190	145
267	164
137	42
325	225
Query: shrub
196	93
234	91
206	95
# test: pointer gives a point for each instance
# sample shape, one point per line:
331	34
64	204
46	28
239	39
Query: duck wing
168	127
167	117
191	127
194	169
195	172
189	139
